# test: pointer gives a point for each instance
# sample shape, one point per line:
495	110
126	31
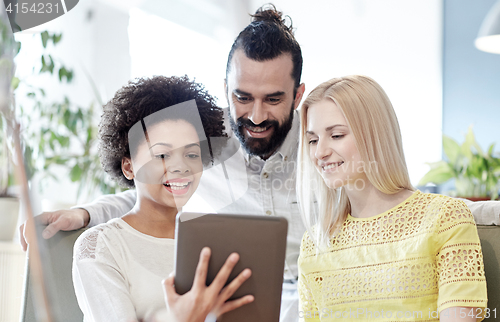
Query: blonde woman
376	248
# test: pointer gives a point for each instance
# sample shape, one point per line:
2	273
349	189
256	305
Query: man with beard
263	90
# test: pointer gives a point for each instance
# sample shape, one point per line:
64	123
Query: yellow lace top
406	264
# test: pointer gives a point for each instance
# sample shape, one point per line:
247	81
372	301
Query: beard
262	147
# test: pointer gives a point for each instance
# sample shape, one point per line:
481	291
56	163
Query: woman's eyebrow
171	146
161	143
334	126
328	129
191	145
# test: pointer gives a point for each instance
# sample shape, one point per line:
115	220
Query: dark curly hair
267	37
142	97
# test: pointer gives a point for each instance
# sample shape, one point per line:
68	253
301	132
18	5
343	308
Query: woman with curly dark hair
154	136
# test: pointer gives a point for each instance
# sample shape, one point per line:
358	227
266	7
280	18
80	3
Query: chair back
57	258
490	244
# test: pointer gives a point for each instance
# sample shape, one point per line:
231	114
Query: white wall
186	37
398	43
161	47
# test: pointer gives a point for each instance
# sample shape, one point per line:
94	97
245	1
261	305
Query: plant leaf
15	83
491	149
69	76
476	167
496	170
465	187
17	48
75	173
62	73
45	38
475	144
56	38
44	65
439	173
52	65
451	149
468	143
64	141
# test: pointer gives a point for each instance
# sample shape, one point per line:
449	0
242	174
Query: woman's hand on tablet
202	301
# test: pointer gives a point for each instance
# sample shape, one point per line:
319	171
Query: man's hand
70	219
201	301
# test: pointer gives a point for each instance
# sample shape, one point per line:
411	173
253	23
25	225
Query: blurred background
421	51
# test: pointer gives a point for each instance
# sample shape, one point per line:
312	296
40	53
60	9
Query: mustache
246	122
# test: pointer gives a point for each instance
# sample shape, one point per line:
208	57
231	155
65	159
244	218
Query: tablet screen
259	240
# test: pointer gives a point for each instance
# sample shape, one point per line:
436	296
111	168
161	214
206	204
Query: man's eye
273	100
242	99
162	156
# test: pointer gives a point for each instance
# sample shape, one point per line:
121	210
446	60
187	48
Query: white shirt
259	187
252	186
243	184
117	272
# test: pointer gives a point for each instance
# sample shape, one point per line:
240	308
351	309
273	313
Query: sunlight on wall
177	51
397	43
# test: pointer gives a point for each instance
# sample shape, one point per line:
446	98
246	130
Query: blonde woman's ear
127	169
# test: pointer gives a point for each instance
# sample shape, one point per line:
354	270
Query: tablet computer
259	240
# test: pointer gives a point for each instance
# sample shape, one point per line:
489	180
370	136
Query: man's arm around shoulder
101	210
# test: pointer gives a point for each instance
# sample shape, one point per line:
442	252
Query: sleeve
109	206
308	309
460	268
100	287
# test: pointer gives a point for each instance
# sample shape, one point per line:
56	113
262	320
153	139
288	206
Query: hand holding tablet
203	300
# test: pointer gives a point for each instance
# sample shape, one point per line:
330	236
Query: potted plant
9	204
65	135
476	173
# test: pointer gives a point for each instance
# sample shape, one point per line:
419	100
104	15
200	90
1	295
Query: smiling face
261	101
167	171
332	146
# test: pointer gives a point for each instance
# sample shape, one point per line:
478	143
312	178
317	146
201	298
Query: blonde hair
373	122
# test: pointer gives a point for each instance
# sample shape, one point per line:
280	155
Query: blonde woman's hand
202	301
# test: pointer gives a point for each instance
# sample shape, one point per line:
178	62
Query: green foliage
46	37
476	173
64	73
14	83
8	49
59	134
46	66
